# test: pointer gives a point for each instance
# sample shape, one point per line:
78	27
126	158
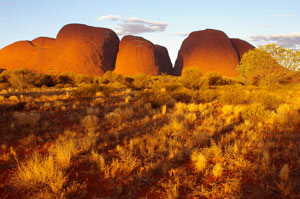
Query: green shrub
182	95
81	78
214	79
156	99
141	81
65	78
204	96
269	100
191	78
232	95
85	91
20	78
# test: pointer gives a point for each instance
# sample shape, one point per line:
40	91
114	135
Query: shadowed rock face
78	48
208	50
137	55
164	61
241	47
1	70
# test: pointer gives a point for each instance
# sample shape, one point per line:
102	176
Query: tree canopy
269	64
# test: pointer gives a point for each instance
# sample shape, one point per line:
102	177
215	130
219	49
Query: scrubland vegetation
195	136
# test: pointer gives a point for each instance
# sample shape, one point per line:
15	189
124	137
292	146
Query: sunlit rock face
241	46
43	42
77	48
21	54
83	49
208	50
139	56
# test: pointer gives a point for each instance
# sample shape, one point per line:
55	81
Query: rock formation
210	50
21	54
43	42
78	48
137	55
164	61
241	47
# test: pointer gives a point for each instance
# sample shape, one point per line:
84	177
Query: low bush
255	113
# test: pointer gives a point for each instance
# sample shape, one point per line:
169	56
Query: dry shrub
63	151
217	170
90	122
233	95
191	78
70	144
269	100
199	160
125	113
122	166
113	118
205	96
286	117
13	99
255	113
39	173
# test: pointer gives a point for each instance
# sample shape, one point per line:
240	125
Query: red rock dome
137	55
43	42
241	47
207	50
83	49
78	48
21	54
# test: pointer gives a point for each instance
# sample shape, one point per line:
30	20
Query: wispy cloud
138	26
109	17
291	40
182	34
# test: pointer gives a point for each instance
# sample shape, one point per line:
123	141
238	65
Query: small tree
288	58
259	67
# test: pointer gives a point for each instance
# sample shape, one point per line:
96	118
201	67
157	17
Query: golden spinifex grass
39	173
153	137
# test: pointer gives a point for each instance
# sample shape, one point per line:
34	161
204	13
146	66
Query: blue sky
164	22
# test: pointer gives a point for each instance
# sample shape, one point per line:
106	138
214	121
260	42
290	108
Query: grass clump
39	173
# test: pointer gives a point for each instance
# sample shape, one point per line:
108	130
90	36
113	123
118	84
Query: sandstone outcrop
241	46
164	61
139	56
210	50
77	48
43	42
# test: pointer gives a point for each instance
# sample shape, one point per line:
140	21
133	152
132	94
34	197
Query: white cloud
138	26
291	40
109	17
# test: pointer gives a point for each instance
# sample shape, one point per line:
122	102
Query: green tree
258	66
288	58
